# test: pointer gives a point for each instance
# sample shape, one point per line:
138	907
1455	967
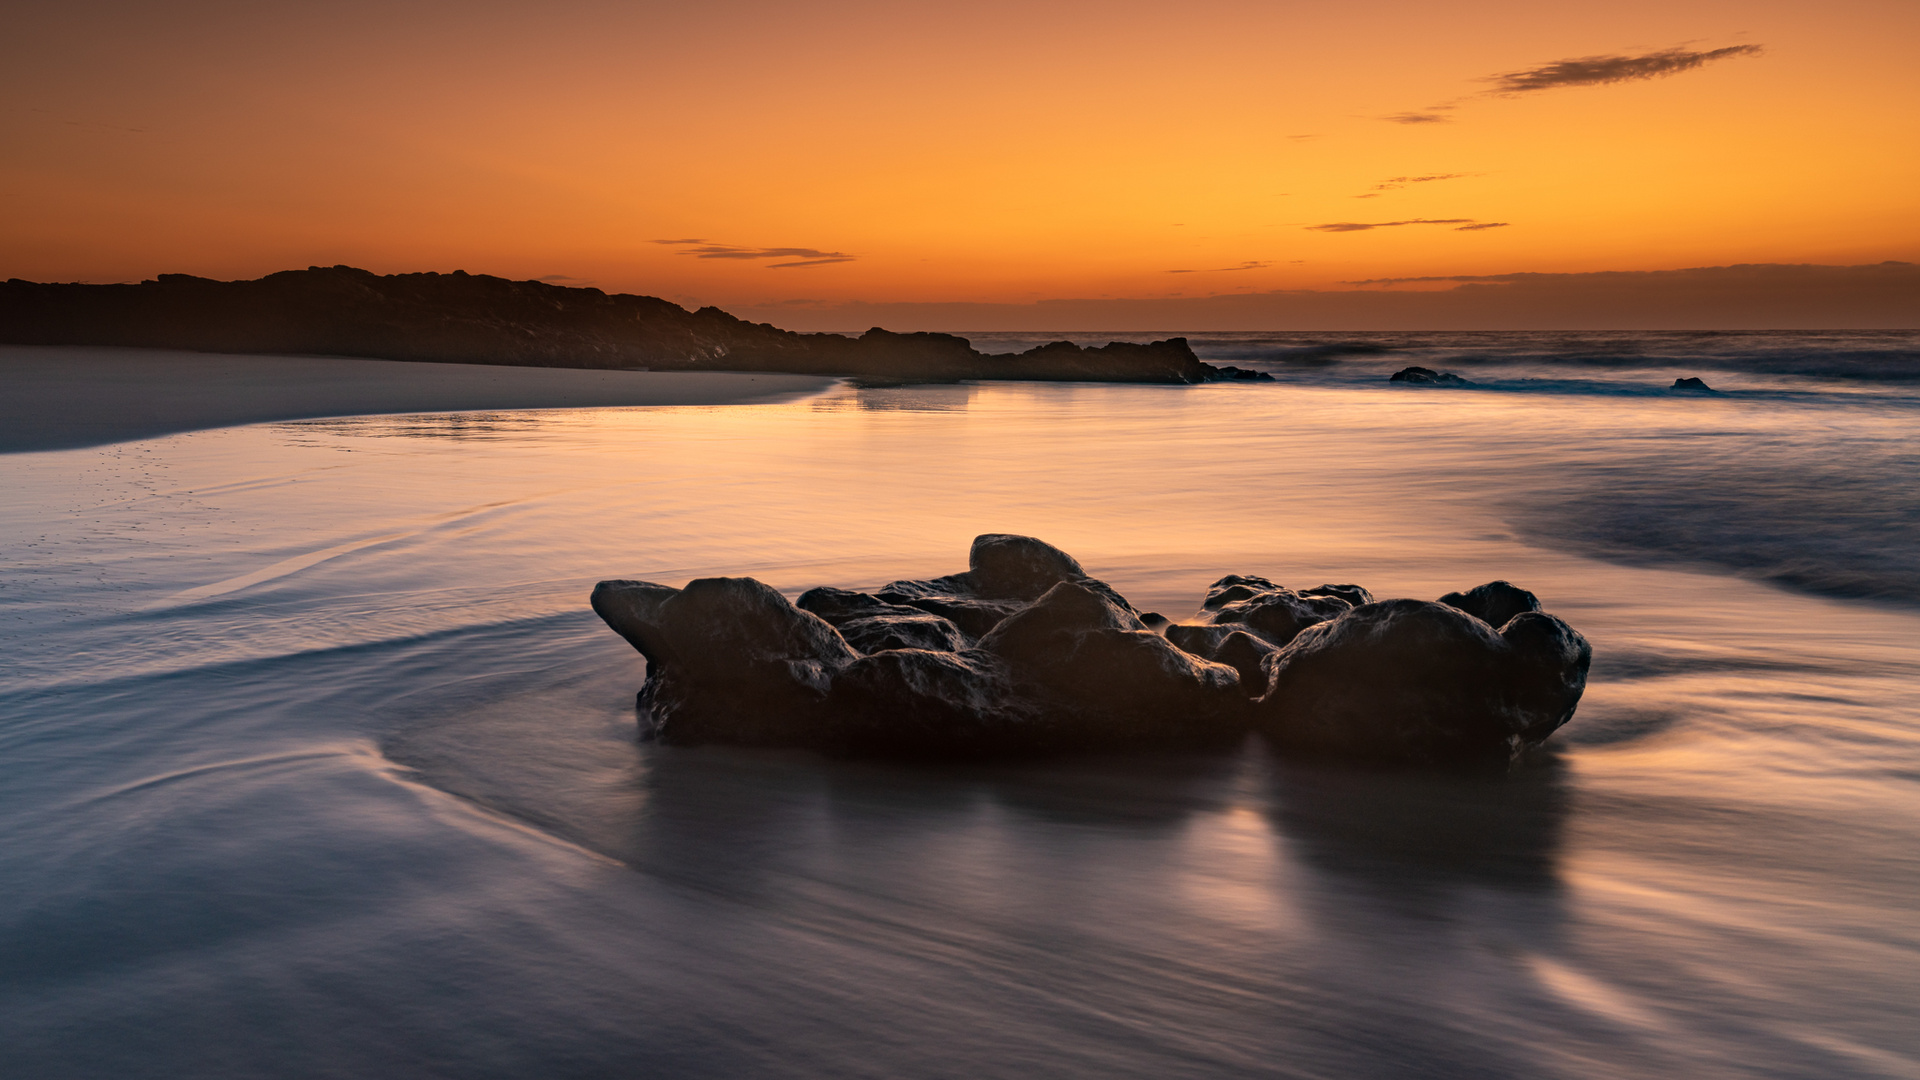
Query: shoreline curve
63	397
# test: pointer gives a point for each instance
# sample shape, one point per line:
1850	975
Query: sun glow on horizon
752	153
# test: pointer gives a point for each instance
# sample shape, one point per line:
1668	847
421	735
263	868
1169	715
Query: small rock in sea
1696	385
1229	372
1419	376
1023	653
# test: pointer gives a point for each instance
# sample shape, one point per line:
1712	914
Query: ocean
314	763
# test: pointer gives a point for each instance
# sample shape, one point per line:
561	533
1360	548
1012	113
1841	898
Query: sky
814	162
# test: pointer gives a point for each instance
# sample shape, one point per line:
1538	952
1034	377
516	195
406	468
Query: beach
316	762
69	396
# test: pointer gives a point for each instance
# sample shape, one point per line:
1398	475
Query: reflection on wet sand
482	426
565	758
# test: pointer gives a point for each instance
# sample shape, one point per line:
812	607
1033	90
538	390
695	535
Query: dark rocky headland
1023	653
477	319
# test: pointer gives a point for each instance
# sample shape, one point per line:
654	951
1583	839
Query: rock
1352	594
1419	376
1493	603
1550	672
1695	385
1049	660
1096	664
920	703
728	660
1231	645
839	605
1270	611
1044	629
921	630
632	609
1005	567
872	625
1412	681
1004	574
1229	372
975	617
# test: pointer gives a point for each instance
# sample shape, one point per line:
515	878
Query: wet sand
63	397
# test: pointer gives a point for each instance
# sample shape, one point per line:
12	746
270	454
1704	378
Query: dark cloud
1363	226
1581	71
1597	70
706	249
1478	225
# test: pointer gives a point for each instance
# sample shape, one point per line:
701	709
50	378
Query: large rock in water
1023	653
1424	682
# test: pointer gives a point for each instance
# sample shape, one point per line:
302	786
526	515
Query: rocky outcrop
1692	384
1023	653
478	319
1419	376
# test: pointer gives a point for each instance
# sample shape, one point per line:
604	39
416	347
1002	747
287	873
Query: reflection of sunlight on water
1231	871
1586	992
493	426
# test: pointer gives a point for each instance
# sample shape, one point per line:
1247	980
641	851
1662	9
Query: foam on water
315	763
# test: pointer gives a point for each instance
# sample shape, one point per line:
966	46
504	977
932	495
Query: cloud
1478	225
1580	71
1599	70
1250	264
706	249
1363	226
1398	181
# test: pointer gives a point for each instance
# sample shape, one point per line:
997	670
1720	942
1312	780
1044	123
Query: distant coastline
480	319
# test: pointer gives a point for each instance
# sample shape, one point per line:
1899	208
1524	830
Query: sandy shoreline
62	397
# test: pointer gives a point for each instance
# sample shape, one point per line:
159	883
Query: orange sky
930	151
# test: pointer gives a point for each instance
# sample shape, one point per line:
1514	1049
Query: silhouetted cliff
477	319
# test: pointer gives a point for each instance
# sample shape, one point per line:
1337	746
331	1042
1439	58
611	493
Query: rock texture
1429	681
1023	653
478	319
1693	384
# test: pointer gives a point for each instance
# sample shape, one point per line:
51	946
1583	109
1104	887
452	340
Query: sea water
313	761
